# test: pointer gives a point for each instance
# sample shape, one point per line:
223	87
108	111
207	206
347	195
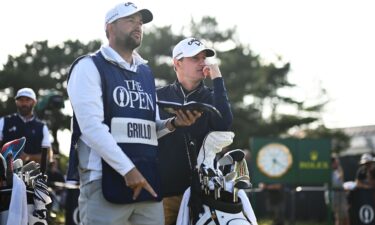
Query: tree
246	77
339	139
254	87
44	69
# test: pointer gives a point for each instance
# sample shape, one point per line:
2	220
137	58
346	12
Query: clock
274	160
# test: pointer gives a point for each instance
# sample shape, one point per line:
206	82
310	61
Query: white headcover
213	143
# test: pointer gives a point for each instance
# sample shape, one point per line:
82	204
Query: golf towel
18	214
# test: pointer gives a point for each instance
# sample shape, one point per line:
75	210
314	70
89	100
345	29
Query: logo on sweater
132	95
366	214
12	129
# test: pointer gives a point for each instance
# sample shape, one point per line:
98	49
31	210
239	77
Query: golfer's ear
176	64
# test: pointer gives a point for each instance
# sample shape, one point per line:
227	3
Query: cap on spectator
365	158
190	47
26	92
126	9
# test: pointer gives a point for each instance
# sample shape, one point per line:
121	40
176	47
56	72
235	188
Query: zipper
186	96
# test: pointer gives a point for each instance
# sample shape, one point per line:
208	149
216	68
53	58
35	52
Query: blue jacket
174	163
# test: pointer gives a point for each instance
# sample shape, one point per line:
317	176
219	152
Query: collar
24	119
111	55
177	86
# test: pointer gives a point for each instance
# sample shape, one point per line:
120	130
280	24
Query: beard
25	110
130	42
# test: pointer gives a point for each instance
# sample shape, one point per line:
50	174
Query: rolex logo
314	155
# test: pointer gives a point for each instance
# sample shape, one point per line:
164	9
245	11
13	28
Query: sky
329	43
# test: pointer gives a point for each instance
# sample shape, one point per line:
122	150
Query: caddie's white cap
126	9
190	47
26	92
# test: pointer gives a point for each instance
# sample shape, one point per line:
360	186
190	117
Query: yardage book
171	107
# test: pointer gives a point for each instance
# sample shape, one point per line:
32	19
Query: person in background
339	196
361	179
371	176
24	123
113	97
192	68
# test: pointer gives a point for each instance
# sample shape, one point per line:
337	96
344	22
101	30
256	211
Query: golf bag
216	195
23	190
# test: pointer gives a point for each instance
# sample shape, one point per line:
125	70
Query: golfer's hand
186	118
135	180
212	71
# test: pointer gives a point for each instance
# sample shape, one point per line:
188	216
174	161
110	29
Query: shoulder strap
72	172
73	64
98	60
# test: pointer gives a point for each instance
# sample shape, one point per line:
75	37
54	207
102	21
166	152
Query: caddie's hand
186	118
31	157
212	71
135	180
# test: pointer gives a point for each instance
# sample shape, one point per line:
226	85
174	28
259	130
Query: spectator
24	123
371	175
361	174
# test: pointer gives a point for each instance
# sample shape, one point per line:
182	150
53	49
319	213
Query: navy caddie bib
129	111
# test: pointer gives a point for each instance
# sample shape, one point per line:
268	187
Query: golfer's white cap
26	92
126	9
190	47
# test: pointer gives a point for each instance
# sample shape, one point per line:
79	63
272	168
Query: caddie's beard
25	110
131	43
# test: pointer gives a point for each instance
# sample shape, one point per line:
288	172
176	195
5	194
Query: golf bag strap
195	201
228	207
213	216
223	206
191	151
72	171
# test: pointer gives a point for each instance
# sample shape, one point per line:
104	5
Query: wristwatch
274	160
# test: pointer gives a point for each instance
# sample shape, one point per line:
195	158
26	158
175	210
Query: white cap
26	92
190	47
126	9
366	158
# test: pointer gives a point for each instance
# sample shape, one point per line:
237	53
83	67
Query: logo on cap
124	10
130	3
195	41
190	47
